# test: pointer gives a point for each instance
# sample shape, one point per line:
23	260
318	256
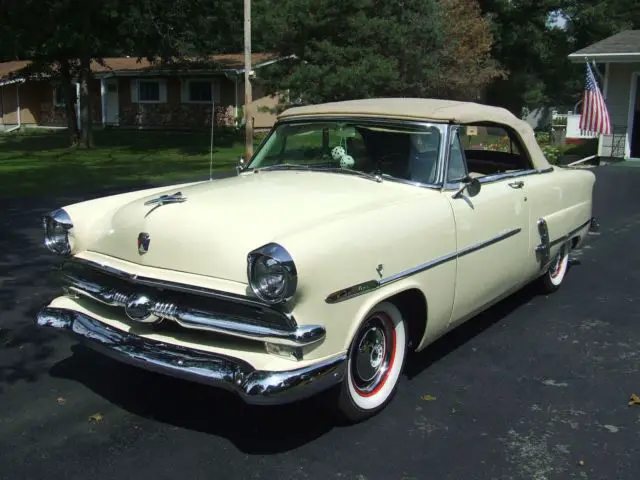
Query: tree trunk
86	115
70	101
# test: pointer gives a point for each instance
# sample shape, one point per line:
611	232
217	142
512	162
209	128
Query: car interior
480	150
492	149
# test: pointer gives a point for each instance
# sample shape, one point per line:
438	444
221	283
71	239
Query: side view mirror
242	164
471	185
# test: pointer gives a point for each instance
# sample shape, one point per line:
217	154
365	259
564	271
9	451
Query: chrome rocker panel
253	386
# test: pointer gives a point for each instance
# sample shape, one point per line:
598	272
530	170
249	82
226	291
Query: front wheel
374	363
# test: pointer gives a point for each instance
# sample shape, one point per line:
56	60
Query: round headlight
56	232
272	273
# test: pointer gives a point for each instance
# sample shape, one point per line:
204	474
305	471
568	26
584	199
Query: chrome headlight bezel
57	225
280	259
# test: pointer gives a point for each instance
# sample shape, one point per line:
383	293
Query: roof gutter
12	81
605	57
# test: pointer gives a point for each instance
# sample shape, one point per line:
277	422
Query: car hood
221	221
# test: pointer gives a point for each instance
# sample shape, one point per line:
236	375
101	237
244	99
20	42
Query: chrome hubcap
373	352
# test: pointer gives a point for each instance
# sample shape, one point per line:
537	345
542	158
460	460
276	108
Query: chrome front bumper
253	386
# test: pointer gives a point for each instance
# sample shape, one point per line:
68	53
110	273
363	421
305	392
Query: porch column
235	106
18	104
103	101
78	120
605	94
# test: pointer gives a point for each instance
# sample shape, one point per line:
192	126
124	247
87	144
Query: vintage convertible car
359	230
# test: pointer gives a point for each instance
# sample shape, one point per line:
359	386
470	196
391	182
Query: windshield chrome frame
443	152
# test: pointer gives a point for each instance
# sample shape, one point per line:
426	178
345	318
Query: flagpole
248	141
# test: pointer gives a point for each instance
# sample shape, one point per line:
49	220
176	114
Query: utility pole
248	141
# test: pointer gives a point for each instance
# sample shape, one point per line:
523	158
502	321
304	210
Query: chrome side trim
253	386
500	176
156	310
543	250
568	236
370	285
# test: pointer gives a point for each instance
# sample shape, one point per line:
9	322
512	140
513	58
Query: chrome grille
189	306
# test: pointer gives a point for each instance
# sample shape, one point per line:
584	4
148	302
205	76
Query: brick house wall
30	96
174	113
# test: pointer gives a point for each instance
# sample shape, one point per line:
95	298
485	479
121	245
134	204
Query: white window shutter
133	85
184	90
163	91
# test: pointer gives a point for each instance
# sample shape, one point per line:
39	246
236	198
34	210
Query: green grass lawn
41	162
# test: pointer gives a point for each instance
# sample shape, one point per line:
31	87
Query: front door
492	236
111	104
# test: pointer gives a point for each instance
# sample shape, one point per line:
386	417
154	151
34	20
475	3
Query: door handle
517	184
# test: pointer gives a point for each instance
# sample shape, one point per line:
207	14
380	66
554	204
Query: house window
148	91
200	91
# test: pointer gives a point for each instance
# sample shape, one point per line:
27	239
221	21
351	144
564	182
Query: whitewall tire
375	359
553	277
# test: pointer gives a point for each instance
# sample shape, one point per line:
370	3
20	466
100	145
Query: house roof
622	45
424	109
129	65
7	68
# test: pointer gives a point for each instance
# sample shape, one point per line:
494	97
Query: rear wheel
374	363
553	277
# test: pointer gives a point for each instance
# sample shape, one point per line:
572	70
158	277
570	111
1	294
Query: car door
491	234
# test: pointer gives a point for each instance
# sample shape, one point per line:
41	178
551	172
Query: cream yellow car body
355	242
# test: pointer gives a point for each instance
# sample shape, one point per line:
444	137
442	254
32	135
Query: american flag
595	116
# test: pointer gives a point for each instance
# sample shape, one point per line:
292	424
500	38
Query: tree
352	49
529	47
467	66
589	21
368	48
534	48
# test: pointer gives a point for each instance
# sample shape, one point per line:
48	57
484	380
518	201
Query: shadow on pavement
25	286
253	429
460	335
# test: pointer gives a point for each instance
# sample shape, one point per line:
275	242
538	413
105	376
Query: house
617	60
140	94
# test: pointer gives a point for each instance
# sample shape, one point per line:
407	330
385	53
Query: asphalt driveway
536	388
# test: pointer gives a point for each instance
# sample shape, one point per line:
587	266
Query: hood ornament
143	243
165	199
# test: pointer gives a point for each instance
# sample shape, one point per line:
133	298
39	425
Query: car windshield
398	150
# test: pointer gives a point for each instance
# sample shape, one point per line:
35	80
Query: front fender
369	247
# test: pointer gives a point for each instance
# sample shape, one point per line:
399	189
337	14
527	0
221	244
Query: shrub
552	154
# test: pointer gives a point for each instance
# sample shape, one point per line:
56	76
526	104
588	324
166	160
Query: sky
557	19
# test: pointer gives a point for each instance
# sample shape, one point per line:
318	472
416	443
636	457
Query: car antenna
213	109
